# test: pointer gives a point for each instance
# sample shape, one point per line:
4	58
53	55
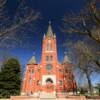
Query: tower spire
49	22
66	58
49	31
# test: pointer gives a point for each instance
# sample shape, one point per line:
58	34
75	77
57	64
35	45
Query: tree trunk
89	83
97	63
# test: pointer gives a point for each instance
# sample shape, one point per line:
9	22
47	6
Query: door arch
49	85
49	80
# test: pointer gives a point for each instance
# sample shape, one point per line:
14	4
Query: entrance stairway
47	96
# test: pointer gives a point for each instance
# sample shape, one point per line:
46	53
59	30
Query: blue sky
53	10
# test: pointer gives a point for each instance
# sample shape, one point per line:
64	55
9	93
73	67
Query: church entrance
49	85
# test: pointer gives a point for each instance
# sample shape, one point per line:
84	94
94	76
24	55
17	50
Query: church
48	76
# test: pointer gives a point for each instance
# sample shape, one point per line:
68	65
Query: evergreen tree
10	78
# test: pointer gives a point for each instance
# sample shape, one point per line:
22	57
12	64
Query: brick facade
49	76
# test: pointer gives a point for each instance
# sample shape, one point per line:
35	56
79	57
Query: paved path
49	99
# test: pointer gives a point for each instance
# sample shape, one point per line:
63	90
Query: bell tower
49	51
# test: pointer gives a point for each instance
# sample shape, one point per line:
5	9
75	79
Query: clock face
49	67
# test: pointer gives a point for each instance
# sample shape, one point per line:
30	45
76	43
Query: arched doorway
49	85
49	80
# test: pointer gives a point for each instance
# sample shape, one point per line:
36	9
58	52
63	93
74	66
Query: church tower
49	49
49	60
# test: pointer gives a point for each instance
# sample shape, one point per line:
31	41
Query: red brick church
48	76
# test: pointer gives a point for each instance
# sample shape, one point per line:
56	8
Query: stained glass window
49	67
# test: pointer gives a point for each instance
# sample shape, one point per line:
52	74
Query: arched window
47	58
30	80
39	70
49	46
38	82
60	82
60	70
29	70
51	58
31	92
32	70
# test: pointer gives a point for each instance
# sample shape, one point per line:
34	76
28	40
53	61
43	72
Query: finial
54	35
49	22
33	53
44	36
65	53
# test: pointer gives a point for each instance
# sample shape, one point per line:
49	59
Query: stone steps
47	96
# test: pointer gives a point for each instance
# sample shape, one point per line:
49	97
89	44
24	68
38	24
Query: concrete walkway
52	99
47	98
32	98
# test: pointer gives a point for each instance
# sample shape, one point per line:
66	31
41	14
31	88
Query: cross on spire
49	22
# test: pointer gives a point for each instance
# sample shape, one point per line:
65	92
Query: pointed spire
44	36
49	31
54	35
66	59
32	60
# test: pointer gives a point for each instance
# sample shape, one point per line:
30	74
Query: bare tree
10	26
87	22
84	61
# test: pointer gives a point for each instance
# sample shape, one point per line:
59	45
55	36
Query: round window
49	67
